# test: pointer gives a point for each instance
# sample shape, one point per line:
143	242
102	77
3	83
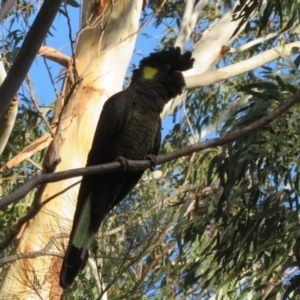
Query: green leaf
73	3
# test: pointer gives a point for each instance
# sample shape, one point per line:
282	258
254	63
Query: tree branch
260	40
55	55
252	63
184	32
144	164
28	51
42	116
6	7
7	122
31	161
189	21
37	145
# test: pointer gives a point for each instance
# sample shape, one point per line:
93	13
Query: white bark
102	58
189	20
256	42
252	63
208	51
8	119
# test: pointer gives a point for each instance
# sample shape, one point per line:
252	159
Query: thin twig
30	91
15	151
51	77
260	40
70	38
42	252
55	55
32	212
188	122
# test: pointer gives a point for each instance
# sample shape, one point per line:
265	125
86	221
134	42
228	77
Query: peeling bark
7	122
103	52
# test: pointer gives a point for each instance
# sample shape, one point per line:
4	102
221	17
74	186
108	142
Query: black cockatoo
129	127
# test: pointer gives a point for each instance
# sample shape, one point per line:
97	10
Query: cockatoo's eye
166	67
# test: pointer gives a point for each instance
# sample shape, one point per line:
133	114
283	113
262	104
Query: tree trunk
103	51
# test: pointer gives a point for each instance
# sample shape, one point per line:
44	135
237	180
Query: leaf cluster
245	237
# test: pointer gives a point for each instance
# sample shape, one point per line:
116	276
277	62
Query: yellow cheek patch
149	73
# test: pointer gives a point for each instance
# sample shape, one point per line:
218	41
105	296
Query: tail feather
77	253
69	272
88	218
74	261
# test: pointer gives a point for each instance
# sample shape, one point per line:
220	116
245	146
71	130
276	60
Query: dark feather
129	126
